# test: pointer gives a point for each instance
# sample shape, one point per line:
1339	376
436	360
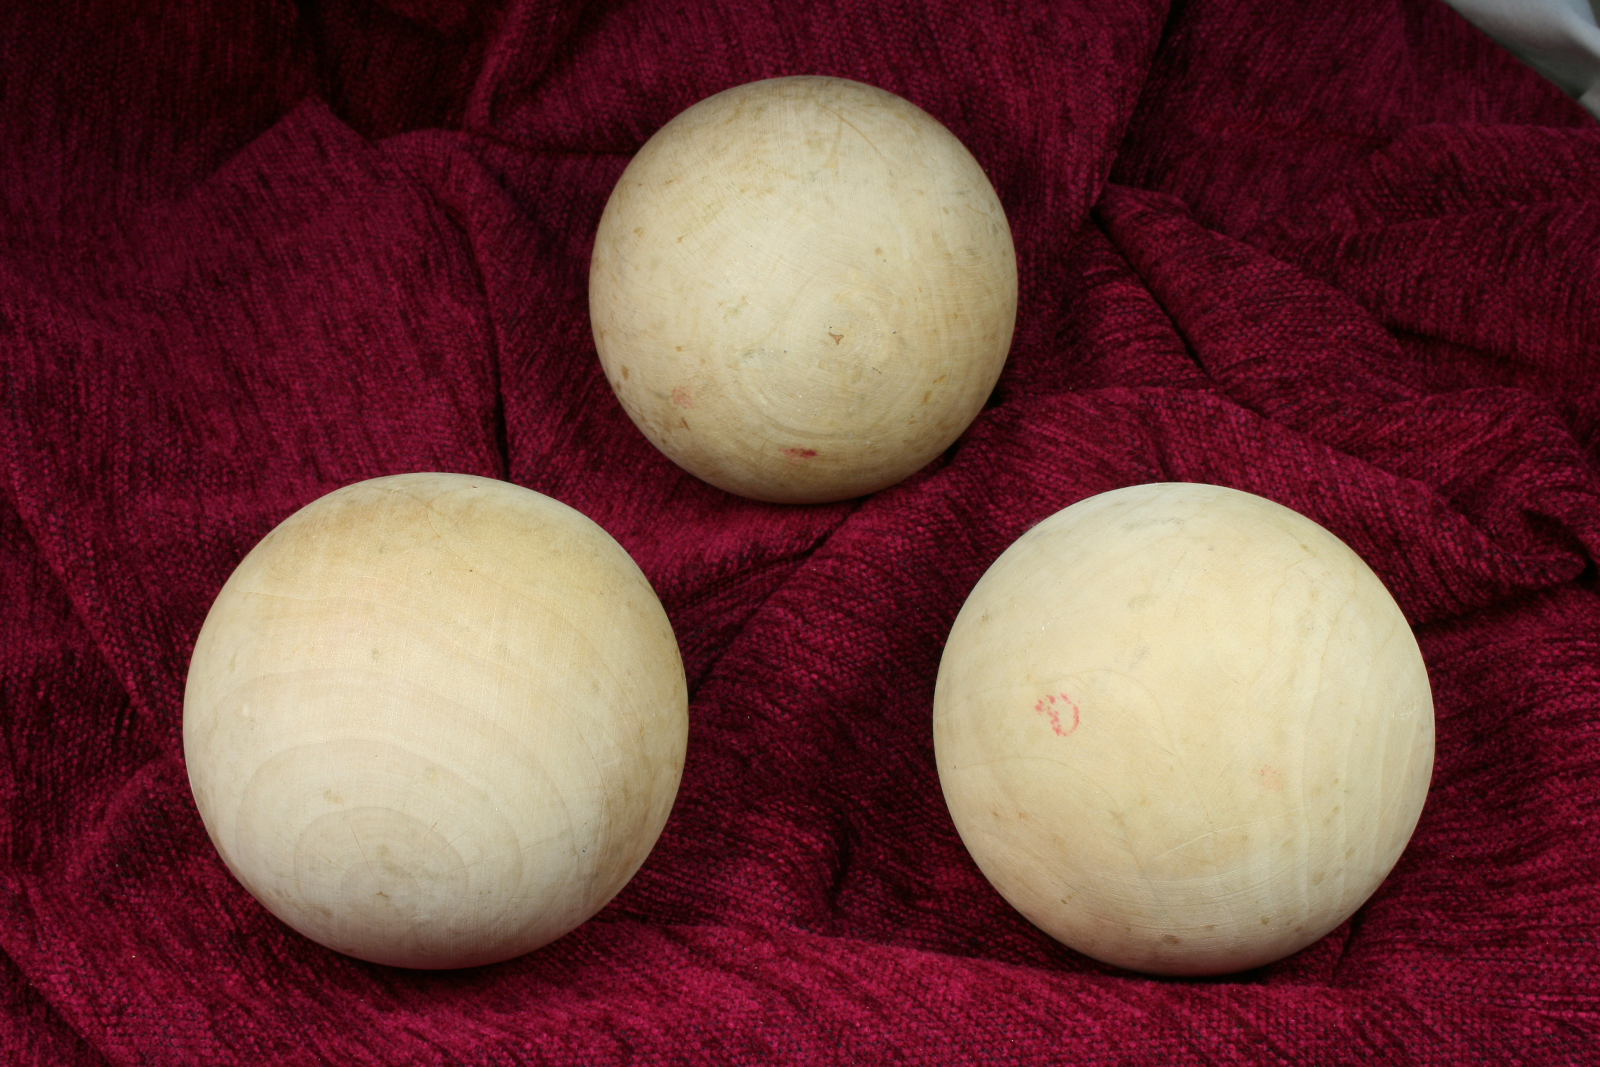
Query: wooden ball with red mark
803	289
1183	729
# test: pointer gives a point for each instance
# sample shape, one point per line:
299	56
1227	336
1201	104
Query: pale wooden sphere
435	720
803	289
1183	729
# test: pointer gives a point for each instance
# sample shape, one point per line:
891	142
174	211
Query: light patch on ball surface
1183	729
803	289
435	720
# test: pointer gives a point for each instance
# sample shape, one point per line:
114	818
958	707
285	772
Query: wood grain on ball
1183	729
435	720
803	289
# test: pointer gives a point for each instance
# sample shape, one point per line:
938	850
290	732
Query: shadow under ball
1183	729
435	720
803	289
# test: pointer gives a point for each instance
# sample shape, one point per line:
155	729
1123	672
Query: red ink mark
681	397
1271	780
798	453
1047	707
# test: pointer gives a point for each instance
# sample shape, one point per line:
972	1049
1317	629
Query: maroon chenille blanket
1346	256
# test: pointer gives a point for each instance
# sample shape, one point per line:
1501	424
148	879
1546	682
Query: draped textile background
1343	256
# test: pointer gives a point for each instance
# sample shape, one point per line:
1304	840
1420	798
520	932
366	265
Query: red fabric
1341	255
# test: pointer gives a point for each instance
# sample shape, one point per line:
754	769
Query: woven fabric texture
1341	255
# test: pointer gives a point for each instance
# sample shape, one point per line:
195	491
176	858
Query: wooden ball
435	720
803	289
1183	729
